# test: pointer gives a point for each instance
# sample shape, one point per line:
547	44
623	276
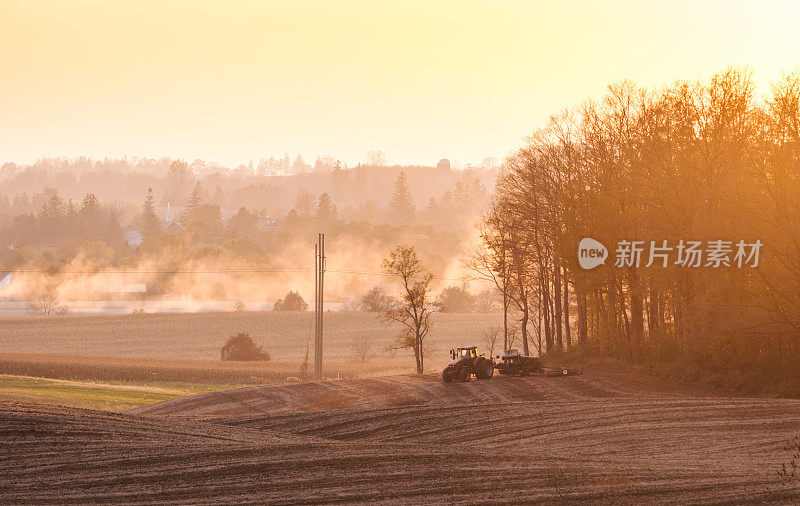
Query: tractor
467	362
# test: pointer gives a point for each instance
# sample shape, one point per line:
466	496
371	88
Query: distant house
128	291
171	226
130	288
267	223
134	238
6	278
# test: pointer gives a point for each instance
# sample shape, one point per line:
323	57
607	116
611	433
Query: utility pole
319	308
505	293
315	324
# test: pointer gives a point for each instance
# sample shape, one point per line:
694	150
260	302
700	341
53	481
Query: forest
80	228
699	162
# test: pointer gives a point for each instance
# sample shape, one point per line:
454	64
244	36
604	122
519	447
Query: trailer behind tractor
467	363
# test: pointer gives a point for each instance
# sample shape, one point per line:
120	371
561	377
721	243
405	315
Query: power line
232	236
291	270
110	234
344	271
162	271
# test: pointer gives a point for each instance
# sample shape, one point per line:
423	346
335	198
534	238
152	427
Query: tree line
451	199
704	163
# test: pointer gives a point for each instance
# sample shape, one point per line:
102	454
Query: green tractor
466	363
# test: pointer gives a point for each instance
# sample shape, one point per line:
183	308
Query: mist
142	229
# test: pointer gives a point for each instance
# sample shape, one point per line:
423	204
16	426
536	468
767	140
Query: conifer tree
326	209
149	221
190	213
402	204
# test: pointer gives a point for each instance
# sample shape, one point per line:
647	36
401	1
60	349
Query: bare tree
415	309
305	202
179	177
304	367
512	336
376	158
505	259
47	305
376	301
115	209
490	338
362	347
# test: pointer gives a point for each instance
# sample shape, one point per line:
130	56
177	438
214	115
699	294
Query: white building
6	278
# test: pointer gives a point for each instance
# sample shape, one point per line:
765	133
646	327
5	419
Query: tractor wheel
480	368
464	374
445	376
488	371
565	372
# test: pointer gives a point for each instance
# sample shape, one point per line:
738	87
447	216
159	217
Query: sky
233	81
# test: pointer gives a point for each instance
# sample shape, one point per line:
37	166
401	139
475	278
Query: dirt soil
603	437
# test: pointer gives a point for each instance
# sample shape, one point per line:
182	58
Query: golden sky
234	81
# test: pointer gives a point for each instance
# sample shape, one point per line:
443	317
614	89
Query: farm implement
513	364
466	362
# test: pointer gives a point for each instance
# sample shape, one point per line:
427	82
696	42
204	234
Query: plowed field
600	437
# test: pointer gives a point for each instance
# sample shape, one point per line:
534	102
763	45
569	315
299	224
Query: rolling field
603	437
181	351
376	435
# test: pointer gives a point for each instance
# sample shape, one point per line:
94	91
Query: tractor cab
464	352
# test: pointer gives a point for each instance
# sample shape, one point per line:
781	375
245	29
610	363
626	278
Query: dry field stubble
156	371
154	348
201	335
